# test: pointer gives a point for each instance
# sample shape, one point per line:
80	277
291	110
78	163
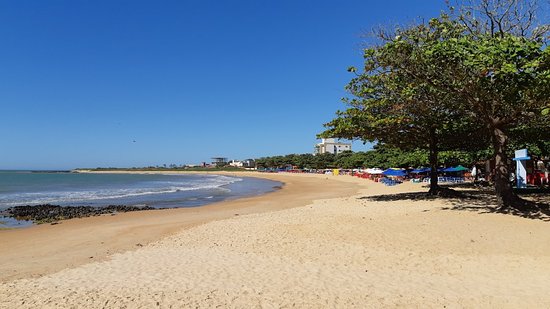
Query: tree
393	106
498	18
503	80
484	69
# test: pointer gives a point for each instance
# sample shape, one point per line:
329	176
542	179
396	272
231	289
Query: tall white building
331	145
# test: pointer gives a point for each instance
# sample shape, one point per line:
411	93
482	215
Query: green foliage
504	80
454	83
437	76
386	157
382	156
349	160
302	161
444	86
393	104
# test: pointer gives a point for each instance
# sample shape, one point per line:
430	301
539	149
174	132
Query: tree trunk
503	188
434	187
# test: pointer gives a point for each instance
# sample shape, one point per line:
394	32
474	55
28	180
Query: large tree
435	83
390	104
503	75
503	79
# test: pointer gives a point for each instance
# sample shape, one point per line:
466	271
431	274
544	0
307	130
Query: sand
44	249
343	251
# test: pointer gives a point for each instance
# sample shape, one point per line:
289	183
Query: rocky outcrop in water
51	213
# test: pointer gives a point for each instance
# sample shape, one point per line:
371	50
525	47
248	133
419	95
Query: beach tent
394	172
421	170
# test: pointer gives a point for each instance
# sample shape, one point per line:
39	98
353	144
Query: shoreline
44	249
53	212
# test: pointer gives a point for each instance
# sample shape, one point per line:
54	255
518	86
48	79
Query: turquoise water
159	191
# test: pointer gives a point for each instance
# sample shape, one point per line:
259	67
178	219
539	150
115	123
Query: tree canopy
455	82
381	156
392	105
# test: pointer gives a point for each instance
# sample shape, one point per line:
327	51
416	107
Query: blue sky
80	81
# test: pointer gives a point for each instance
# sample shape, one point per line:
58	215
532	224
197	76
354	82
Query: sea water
159	191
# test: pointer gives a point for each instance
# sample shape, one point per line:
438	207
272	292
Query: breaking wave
212	183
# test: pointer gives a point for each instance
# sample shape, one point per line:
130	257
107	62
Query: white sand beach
338	249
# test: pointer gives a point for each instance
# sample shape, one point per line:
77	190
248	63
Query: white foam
208	182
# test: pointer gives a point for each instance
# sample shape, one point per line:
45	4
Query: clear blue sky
80	81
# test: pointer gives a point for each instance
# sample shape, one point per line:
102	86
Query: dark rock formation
51	213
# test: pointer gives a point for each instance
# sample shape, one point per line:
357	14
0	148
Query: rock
52	213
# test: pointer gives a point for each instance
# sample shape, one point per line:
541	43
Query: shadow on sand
466	197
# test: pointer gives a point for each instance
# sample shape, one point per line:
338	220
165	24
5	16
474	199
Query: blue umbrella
392	172
421	170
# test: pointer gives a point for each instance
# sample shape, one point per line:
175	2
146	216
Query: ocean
159	191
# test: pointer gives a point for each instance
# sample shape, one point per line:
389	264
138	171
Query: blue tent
392	172
421	170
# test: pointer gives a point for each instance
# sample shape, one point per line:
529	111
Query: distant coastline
52	171
162	169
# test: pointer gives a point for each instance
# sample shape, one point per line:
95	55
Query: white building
248	163
331	145
236	163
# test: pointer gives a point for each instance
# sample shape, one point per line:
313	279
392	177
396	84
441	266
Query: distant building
236	163
219	161
249	163
331	145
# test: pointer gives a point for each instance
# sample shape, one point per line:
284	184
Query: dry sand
333	252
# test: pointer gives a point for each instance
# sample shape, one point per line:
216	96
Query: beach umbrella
461	168
394	172
450	169
421	170
374	171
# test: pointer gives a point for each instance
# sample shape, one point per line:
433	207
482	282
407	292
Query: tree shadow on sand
466	197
